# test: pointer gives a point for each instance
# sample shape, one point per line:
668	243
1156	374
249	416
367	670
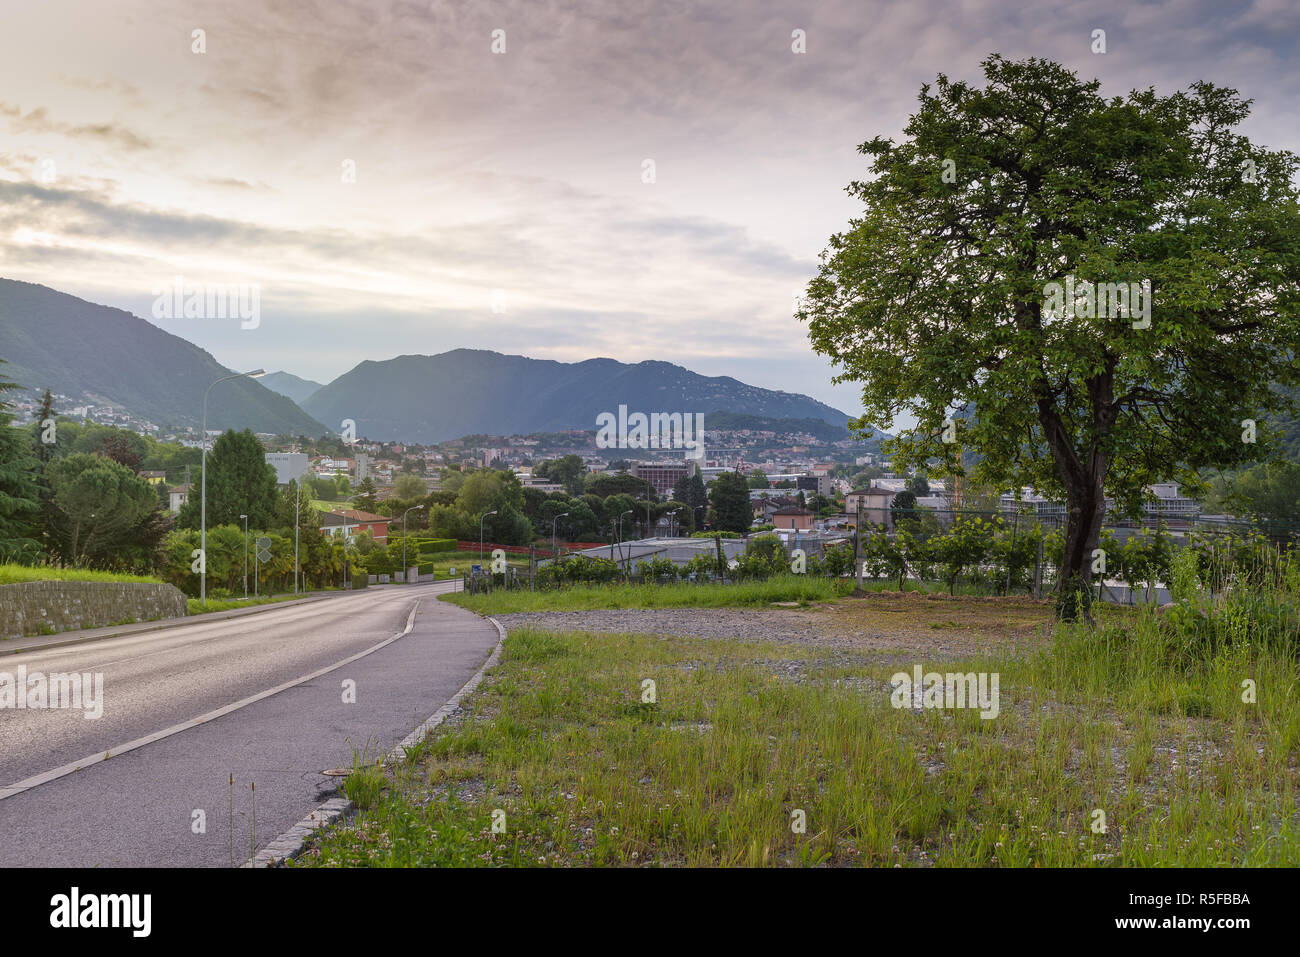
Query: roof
183	489
873	490
791	511
353	516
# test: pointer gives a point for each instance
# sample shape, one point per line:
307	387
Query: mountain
103	356
286	383
818	428
465	391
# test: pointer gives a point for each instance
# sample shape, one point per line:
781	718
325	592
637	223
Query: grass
462	560
783	588
563	751
195	607
11	574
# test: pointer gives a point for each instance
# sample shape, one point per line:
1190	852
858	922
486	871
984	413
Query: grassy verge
785	588
11	574
197	608
746	741
443	562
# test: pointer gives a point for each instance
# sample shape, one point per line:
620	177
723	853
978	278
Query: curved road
144	807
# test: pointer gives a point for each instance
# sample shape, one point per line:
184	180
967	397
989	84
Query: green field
442	562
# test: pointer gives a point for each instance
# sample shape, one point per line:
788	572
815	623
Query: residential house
177	497
874	502
351	521
153	477
795	518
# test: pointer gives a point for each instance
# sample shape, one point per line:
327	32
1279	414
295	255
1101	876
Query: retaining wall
33	608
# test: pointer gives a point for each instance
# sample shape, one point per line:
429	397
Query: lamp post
620	541
678	513
297	521
480	534
245	518
203	487
411	509
554	521
696	509
347	570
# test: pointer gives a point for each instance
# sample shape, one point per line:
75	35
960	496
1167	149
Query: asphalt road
138	808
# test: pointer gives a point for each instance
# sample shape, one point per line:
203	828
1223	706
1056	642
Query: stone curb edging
290	844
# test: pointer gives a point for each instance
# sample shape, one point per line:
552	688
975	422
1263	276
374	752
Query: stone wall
33	608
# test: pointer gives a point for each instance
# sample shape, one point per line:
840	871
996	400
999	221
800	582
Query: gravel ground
842	628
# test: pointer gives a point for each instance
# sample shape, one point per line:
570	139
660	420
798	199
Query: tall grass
11	574
1149	721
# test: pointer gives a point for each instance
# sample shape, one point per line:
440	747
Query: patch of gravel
745	623
858	627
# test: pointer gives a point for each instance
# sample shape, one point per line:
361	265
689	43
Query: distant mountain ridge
421	398
286	383
107	356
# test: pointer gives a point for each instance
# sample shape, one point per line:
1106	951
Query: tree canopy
1172	235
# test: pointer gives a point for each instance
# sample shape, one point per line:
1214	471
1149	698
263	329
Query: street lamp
297	523
678	513
620	540
696	509
245	518
411	509
203	488
480	534
554	521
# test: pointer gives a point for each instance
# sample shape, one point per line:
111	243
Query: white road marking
44	778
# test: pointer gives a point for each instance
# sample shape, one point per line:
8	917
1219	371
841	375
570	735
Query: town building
874	502
664	475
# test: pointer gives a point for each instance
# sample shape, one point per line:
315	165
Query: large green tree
690	491
101	511
239	482
729	495
567	471
939	294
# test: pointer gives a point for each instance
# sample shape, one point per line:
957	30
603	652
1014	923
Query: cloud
39	121
520	172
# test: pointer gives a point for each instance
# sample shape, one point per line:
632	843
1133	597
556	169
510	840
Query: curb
289	845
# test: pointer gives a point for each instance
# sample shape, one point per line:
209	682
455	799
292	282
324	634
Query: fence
961	551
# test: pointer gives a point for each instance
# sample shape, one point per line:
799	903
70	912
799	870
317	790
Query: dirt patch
943	625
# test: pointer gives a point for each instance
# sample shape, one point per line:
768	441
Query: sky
502	198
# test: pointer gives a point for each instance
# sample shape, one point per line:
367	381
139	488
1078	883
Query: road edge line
45	777
289	845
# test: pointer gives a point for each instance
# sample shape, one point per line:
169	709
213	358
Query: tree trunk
1084	481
